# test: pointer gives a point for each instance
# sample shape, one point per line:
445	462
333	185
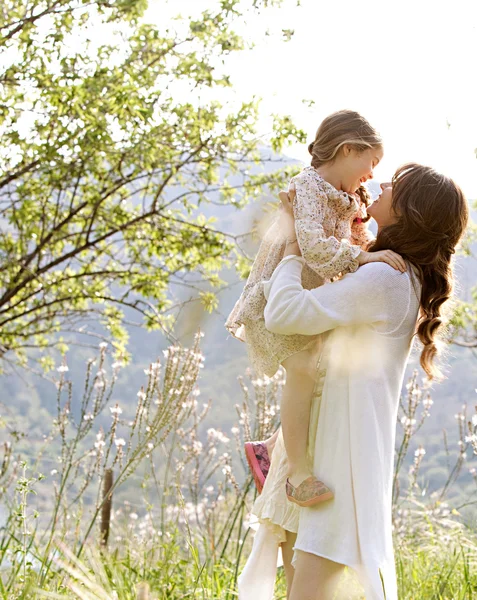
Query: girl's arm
327	256
367	296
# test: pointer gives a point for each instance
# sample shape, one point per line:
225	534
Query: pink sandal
259	462
309	492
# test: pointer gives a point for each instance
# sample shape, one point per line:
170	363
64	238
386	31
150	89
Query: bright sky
409	66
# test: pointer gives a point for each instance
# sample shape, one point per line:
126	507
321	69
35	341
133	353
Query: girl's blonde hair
340	128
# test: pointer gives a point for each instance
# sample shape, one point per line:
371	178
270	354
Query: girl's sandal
309	492
259	462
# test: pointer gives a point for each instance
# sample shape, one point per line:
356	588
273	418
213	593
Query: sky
408	66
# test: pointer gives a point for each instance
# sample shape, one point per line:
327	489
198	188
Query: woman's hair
432	215
340	128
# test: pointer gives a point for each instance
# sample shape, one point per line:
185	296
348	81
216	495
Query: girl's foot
309	492
258	459
297	477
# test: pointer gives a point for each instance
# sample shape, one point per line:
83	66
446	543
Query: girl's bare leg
295	412
315	578
287	554
270	442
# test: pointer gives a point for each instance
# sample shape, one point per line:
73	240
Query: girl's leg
315	578
295	412
287	554
270	442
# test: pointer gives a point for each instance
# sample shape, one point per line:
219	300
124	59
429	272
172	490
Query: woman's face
381	209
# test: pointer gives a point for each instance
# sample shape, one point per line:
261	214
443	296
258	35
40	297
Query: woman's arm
367	296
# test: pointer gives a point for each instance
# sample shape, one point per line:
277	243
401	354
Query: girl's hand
387	256
287	218
287	222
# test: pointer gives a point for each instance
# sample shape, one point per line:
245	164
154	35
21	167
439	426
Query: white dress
372	316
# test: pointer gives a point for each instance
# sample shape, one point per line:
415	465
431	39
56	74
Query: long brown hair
432	214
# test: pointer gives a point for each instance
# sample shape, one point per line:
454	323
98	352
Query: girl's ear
346	149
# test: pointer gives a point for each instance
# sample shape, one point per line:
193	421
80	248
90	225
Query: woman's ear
346	149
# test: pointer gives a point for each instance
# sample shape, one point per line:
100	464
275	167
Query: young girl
329	216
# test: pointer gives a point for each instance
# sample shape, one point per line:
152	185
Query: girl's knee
305	367
302	364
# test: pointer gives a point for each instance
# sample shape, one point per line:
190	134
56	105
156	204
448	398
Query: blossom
428	402
99	444
62	369
119	442
115	410
216	435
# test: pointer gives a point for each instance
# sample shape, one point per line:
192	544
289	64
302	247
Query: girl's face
381	209
359	167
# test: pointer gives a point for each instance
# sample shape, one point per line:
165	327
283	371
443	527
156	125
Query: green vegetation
115	133
120	139
181	530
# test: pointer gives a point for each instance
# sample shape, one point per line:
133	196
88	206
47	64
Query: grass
181	498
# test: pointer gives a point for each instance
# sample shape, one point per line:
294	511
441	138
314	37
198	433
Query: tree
114	132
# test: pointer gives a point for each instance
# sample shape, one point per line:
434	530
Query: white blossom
216	435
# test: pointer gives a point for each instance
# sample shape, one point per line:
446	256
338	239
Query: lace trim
278	517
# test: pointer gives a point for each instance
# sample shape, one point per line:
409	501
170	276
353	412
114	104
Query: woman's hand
387	256
287	222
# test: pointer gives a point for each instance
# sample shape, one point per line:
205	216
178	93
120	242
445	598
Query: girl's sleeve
327	256
367	296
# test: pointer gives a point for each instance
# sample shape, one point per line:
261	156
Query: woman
371	317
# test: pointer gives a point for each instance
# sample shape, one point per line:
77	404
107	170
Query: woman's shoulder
387	278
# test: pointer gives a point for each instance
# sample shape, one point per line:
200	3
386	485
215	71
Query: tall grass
181	493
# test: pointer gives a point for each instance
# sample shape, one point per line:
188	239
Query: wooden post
106	508
143	591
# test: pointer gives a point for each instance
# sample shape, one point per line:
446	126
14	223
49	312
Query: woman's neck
330	174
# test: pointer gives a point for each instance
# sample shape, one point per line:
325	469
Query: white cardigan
372	314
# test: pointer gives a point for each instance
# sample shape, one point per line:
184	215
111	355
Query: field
177	526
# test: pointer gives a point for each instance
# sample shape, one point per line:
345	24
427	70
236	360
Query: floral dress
330	233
